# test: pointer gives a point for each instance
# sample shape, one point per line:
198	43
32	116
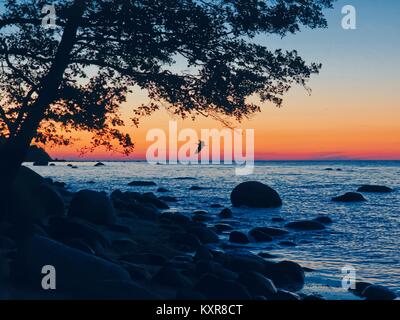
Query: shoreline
165	255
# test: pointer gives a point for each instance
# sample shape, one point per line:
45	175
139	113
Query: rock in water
350	197
287	275
75	270
255	194
92	206
323	219
375	189
238	237
257	284
141	184
99	164
305	225
375	292
34	197
226	213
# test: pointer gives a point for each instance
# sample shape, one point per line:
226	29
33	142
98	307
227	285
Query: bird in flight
200	146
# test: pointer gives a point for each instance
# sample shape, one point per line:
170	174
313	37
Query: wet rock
76	270
185	178
205	235
99	164
350	197
196	188
201	218
272	232
238	237
255	194
141	184
200	212
359	288
226	213
40	163
377	292
215	268
171	277
175	218
324	219
305	225
137	272
260	236
257	284
162	190
185	241
375	189
150	198
221	227
218	289
92	206
243	262
286	275
284	295
203	253
216	205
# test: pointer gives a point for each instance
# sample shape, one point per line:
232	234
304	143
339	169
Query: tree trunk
14	150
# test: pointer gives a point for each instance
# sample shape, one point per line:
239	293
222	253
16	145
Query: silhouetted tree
76	75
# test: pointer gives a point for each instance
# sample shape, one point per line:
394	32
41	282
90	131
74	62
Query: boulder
99	164
286	275
238	237
221	227
272	232
226	213
260	236
196	188
350	197
205	235
376	292
255	194
37	154
75	269
162	190
257	284
214	288
306	225
34	197
92	206
142	184
359	288
375	189
40	163
243	262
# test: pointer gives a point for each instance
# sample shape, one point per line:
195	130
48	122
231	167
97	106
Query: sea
362	242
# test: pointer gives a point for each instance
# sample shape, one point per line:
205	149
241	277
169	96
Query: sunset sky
354	109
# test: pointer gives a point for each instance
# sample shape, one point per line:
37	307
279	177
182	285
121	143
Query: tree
75	75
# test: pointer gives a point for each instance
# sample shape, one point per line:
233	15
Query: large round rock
256	195
92	206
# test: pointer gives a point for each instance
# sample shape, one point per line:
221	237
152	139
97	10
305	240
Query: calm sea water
363	235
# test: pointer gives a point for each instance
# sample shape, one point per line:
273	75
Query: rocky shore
127	245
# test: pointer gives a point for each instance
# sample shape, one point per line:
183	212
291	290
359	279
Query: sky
352	113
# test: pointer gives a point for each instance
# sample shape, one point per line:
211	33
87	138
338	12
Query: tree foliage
122	44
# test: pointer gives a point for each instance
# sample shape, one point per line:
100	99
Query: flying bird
200	146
